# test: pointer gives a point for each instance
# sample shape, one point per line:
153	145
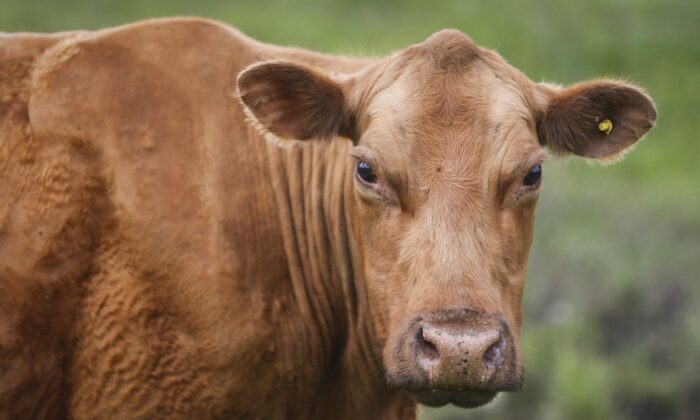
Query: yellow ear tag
606	126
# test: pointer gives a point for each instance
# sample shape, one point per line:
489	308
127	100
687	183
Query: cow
195	224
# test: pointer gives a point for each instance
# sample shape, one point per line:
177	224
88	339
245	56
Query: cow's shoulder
126	73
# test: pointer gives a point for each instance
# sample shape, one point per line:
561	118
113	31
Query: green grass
612	320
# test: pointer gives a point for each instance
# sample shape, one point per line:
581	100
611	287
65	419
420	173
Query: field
612	306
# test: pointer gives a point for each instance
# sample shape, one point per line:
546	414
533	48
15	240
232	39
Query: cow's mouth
460	398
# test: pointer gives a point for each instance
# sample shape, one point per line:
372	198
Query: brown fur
159	259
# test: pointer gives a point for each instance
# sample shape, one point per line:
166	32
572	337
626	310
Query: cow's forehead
435	104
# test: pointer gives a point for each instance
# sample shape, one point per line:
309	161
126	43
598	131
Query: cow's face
448	155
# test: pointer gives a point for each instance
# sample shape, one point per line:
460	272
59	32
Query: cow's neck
314	190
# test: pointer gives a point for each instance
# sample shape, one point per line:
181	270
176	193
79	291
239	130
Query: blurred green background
612	303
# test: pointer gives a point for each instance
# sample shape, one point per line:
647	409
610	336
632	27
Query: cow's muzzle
462	357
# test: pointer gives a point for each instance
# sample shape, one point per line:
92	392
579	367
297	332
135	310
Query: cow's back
140	252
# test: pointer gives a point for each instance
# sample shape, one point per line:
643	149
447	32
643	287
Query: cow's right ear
291	101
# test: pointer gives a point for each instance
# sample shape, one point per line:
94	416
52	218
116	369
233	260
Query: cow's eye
533	177
365	172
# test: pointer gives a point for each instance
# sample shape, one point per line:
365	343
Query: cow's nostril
425	347
493	356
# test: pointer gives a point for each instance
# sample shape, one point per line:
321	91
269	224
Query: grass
612	321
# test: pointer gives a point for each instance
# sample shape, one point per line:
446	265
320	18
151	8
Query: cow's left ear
294	102
599	119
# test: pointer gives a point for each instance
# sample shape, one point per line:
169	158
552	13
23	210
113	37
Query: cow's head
449	143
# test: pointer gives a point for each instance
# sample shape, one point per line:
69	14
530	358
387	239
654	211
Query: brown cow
158	259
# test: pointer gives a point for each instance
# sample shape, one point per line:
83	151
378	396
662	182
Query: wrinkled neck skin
313	185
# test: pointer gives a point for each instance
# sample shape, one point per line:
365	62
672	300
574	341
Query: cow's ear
599	119
292	101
